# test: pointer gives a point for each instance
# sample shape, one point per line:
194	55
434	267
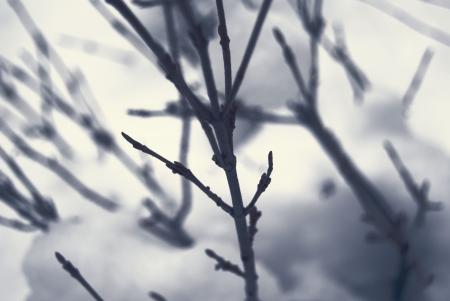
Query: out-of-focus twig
14	199
17	225
409	20
223	264
43	205
339	52
42	126
418	193
416	81
439	3
156	296
56	167
244	112
91	47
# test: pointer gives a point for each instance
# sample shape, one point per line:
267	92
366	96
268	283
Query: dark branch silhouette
223	264
178	168
75	273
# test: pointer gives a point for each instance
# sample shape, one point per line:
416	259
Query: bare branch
14	199
123	30
439	3
71	82
151	3
42	126
200	43
95	48
17	225
100	136
418	193
339	51
75	273
245	112
407	19
43	205
239	77
174	49
225	43
224	265
264	182
180	169
166	228
54	166
417	80
171	69
291	61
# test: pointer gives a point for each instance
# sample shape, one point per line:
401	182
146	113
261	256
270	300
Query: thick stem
245	245
240	222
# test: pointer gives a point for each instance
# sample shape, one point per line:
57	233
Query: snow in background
307	248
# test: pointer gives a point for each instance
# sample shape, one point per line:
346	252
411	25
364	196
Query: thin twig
166	228
152	3
291	61
186	188
172	71
409	20
14	199
418	193
56	167
180	169
264	182
43	205
122	30
44	127
156	296
100	136
239	77
223	264
200	43
75	273
339	52
17	225
245	112
225	44
439	3
417	80
70	81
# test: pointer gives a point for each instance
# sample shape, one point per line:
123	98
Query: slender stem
291	61
201	44
225	43
16	225
182	170
244	239
186	188
172	71
265	6
54	166
75	273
